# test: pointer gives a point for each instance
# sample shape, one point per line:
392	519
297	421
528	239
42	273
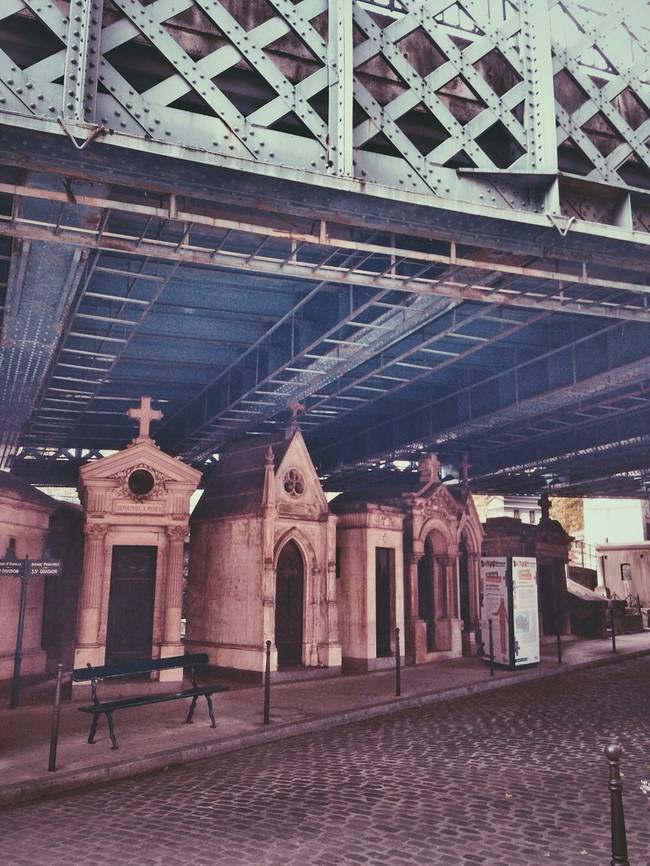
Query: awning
583	593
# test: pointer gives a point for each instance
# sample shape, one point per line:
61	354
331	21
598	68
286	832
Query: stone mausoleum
262	561
136	506
549	544
24	525
408	525
370	580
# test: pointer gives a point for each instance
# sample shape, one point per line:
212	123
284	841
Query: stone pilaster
92	590
415	639
174	583
474	567
330	650
173	600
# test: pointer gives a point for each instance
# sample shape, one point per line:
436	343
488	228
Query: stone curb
25	792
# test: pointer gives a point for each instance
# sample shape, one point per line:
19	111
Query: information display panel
509	602
495	607
525	613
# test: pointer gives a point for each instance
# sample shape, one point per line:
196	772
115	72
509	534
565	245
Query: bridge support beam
340	87
82	60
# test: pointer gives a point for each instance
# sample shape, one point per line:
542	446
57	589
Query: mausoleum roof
388	486
15	488
237	483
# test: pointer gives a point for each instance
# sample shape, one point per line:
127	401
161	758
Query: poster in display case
509	601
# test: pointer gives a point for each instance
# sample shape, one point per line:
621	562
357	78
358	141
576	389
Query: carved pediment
297	486
139	482
441	504
143	454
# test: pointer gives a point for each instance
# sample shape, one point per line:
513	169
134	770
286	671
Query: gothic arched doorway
289	592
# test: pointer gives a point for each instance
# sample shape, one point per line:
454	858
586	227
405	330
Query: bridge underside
493	303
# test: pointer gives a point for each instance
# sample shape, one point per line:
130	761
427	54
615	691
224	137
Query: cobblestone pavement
513	777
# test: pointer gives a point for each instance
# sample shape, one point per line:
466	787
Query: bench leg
211	711
93	729
188	720
111	731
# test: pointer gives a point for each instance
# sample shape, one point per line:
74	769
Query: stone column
452	583
455	624
87	647
173	600
474	565
415	639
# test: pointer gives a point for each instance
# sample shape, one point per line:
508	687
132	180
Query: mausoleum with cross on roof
136	510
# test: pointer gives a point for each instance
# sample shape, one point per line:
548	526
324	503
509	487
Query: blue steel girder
371	264
129	329
43	279
594	364
273	245
464	174
620	469
589	426
300	367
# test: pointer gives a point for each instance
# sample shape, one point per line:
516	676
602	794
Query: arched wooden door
289	596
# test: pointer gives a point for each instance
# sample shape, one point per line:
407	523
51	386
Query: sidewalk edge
25	792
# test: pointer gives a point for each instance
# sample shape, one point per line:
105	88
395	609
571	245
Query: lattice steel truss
429	182
524	106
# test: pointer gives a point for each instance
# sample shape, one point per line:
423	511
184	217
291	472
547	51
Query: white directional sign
37	567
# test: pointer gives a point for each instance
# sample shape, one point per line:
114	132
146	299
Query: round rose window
141	482
294	483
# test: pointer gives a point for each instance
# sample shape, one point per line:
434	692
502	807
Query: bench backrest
137	666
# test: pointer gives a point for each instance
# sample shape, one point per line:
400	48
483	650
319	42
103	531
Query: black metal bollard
615	785
267	685
18	655
613	627
56	712
491	648
398	669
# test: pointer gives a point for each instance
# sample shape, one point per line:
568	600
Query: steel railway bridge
426	221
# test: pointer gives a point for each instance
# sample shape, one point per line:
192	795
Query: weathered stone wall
225	592
26	521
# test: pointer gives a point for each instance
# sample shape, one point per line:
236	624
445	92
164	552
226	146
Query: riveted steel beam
340	86
82	60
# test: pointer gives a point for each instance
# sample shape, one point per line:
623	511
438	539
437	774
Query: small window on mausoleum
294	483
141	482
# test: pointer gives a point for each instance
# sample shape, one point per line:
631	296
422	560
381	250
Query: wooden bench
138	667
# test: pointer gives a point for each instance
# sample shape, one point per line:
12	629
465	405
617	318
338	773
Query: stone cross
429	468
464	467
545	504
294	425
145	415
